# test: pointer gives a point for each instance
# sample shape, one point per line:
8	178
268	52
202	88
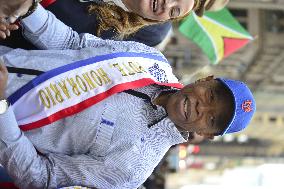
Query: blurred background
254	158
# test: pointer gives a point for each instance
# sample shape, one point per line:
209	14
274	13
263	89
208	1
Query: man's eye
212	121
211	96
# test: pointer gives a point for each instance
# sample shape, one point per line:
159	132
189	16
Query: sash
71	88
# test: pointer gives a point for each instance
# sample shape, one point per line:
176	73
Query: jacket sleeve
152	35
30	169
45	31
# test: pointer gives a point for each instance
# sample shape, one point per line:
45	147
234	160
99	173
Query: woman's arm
45	31
11	9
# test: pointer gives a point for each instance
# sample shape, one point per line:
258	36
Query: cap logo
246	106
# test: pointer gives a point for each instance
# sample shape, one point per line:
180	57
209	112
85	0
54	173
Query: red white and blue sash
69	89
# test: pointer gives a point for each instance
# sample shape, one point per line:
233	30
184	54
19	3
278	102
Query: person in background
135	20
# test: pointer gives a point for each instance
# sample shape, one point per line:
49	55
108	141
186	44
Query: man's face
204	107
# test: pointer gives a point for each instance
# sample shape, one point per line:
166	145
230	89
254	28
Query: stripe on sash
46	3
72	66
46	109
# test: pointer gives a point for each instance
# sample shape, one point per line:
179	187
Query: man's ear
210	137
206	136
195	138
208	78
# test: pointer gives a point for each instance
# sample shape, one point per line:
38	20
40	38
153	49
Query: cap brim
235	105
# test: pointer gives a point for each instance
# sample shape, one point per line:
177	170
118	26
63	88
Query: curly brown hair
111	16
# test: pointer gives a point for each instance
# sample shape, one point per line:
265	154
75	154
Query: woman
128	16
111	19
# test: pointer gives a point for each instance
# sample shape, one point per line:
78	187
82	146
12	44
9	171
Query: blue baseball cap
244	105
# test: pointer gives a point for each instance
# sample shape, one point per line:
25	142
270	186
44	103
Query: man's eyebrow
218	91
219	119
219	122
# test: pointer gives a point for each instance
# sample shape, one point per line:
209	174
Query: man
106	112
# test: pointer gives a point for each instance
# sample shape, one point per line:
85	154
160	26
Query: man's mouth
155	5
186	107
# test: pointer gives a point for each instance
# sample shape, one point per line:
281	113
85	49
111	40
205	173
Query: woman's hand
3	79
6	28
11	10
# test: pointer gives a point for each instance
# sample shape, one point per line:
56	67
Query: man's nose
202	107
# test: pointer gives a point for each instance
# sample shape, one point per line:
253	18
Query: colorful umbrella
218	34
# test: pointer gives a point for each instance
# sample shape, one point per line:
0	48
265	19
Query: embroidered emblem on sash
158	73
